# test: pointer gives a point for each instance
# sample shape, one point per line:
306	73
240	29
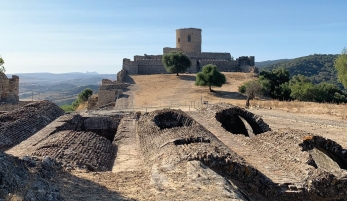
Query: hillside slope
262	64
166	89
318	67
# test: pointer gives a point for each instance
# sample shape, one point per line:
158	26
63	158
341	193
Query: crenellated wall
131	67
9	88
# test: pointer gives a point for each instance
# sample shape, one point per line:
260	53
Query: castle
9	89
188	41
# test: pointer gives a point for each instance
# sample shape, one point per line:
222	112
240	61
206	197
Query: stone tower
188	40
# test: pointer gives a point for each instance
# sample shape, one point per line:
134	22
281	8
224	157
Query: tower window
179	40
189	38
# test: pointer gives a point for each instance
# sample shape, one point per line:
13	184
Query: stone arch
326	154
171	119
239	121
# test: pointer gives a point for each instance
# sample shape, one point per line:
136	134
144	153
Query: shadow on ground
187	77
229	95
129	79
79	189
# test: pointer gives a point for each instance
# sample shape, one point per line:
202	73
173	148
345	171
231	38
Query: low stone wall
20	124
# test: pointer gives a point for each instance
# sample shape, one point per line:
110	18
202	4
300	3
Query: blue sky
84	35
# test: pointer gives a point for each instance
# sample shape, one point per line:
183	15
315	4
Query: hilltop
318	67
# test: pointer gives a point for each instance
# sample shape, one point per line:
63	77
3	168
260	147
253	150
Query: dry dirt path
332	127
128	145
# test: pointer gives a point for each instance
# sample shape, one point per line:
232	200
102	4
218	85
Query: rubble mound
23	122
28	179
78	149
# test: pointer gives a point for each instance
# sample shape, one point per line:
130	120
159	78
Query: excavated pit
171	119
237	121
82	142
102	126
325	153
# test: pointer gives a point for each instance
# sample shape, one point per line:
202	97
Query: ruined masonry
9	89
188	41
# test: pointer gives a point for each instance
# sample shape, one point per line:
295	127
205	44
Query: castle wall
210	55
151	66
170	49
189	41
245	60
139	57
183	43
130	67
222	65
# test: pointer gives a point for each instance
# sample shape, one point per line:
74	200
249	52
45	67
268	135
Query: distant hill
50	78
58	88
269	62
317	67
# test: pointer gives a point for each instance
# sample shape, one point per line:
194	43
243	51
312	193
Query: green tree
341	67
176	62
85	94
272	83
81	98
2	67
252	89
210	76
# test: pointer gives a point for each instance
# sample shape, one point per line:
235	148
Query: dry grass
82	106
161	90
304	107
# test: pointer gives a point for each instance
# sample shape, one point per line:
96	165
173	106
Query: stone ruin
108	93
81	142
23	122
9	89
251	161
